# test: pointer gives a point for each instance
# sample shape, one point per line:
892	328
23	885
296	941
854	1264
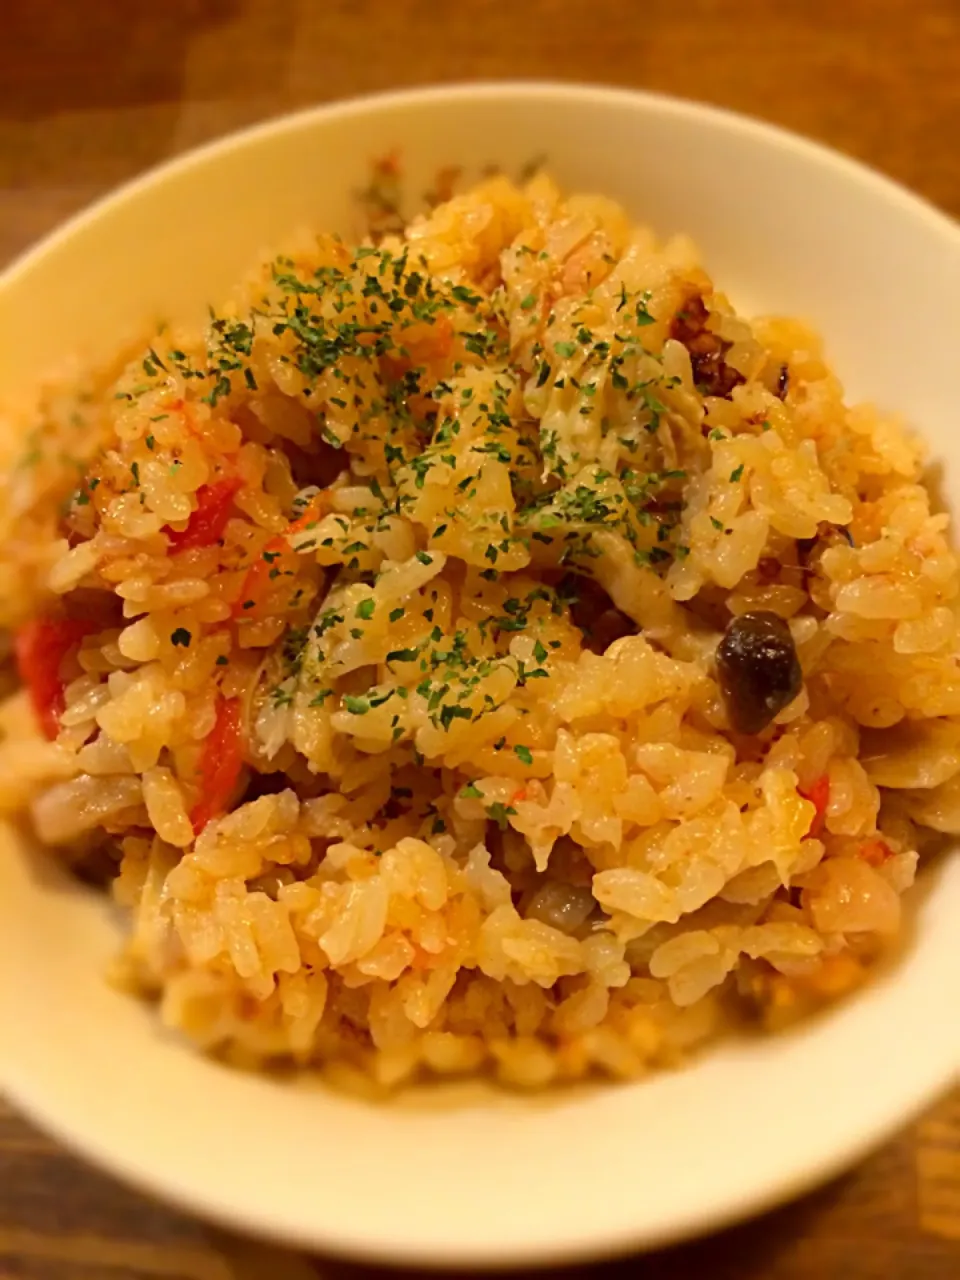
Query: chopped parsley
451	711
643	316
501	813
403	655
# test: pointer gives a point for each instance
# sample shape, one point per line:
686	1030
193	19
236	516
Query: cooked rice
376	654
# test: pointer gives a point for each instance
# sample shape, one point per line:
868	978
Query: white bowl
784	225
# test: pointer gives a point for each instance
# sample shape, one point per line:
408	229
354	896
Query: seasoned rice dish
479	650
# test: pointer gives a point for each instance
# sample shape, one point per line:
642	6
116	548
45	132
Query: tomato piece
818	793
258	576
40	647
277	557
315	510
875	851
207	523
220	763
388	166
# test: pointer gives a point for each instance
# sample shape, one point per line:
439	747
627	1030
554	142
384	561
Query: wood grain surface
93	91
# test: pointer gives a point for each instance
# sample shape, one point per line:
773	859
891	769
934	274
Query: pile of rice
367	643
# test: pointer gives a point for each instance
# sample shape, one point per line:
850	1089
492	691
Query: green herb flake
453	711
736	474
462	294
220	389
565	349
500	813
643	315
365	609
524	754
402	655
471	792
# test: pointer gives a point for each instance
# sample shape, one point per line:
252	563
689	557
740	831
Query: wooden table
92	91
